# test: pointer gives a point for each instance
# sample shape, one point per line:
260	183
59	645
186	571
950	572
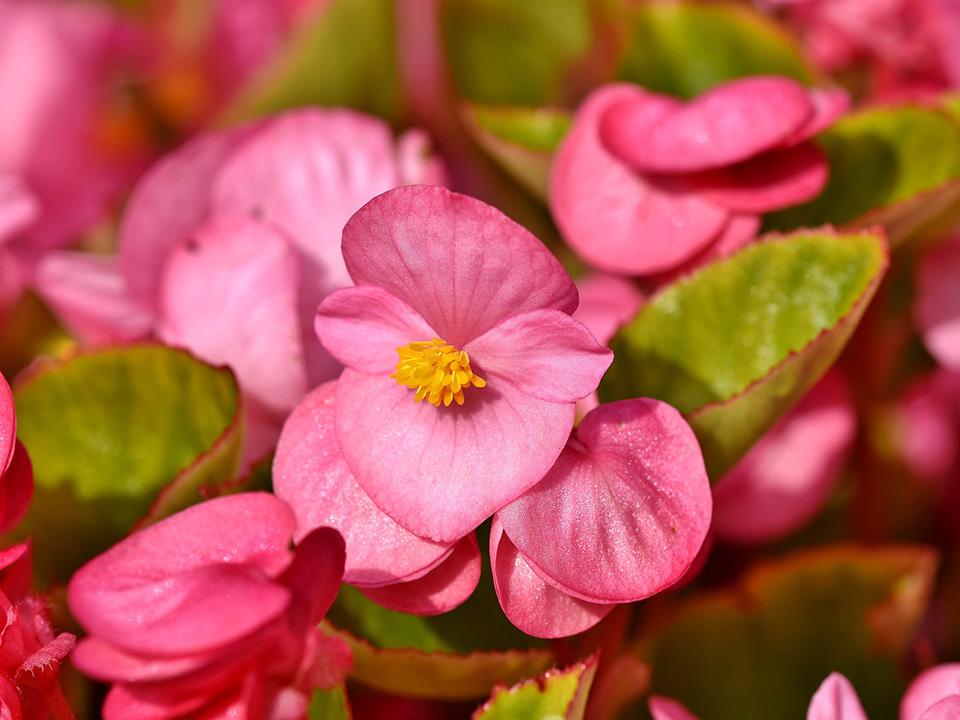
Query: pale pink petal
835	699
828	105
461	264
791	472
543	353
442	589
419	164
530	603
8	426
937	303
90	297
362	327
441	471
614	218
928	688
312	476
625	509
315	573
18	206
946	709
726	125
607	302
229	296
926	429
662	708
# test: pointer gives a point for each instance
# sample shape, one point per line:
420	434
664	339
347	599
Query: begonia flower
16	490
926	428
644	183
209	614
933	695
620	516
937	302
462	361
387	562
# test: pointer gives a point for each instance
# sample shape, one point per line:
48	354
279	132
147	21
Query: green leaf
522	140
735	345
761	648
559	694
503	52
107	431
330	705
685	48
899	166
346	57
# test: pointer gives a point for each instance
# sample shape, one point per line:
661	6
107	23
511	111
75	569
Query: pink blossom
208	613
387	562
619	517
644	184
937	302
462	361
927	428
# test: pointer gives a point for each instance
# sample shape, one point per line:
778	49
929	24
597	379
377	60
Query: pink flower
619	517
388	563
937	302
208	613
927	428
462	361
644	183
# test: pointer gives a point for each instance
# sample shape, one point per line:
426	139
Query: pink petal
315	573
776	179
937	303
17	489
445	470
946	709
440	590
40	668
835	699
607	302
625	509
926	432
10	708
16	571
531	604
726	125
791	472
8	426
662	708
544	353
418	163
18	206
461	264
362	327
928	688
229	296
108	663
311	475
90	297
618	220
828	106
739	232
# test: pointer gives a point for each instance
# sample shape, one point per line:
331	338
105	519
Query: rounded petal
441	471
726	125
418	163
607	303
462	265
928	688
17	489
442	589
946	709
316	571
828	105
18	206
229	296
835	699
311	475
662	708
108	663
790	473
544	353
618	220
739	232
8	425
625	509
937	303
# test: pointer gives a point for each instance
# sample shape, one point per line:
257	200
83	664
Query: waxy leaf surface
560	694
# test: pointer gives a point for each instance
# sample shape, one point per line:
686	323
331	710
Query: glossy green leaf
761	648
330	705
737	344
557	694
685	48
108	430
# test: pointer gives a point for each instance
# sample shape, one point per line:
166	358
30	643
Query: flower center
437	371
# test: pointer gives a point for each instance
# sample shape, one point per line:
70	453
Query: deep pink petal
315	573
946	709
10	708
790	473
618	220
442	589
17	489
529	602
108	663
461	264
8	425
835	699
937	303
311	475
543	353
828	105
16	571
362	327
607	302
440	472
726	125
90	297
229	296
928	688
625	509
662	708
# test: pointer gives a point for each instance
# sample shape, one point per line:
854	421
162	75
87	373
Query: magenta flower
644	183
462	361
619	517
937	302
388	563
208	613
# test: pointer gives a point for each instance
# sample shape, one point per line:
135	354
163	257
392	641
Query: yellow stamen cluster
437	371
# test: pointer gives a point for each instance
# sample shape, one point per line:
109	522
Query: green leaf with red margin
761	648
330	705
559	694
108	431
736	344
